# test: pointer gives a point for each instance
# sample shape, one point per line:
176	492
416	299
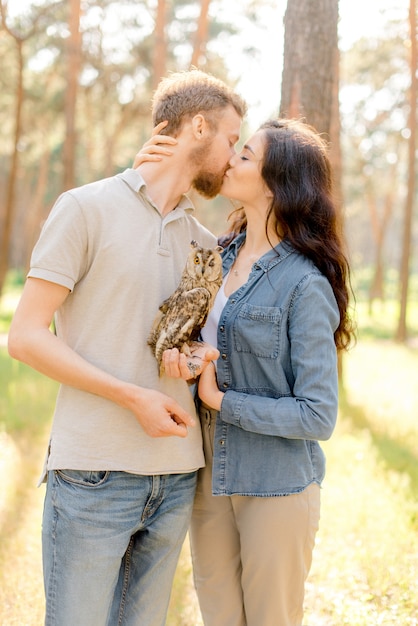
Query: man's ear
199	126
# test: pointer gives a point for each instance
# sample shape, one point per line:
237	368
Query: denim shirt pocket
256	330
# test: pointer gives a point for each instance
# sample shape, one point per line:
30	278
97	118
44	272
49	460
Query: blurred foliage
374	109
113	114
22	389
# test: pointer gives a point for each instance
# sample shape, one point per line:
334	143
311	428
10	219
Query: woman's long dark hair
297	170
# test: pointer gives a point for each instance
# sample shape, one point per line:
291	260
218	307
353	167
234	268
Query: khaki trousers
251	555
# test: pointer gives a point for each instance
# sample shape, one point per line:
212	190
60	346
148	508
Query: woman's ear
268	192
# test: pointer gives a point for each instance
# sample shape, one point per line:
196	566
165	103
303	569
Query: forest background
76	80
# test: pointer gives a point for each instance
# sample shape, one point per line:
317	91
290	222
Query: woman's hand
178	365
155	148
208	388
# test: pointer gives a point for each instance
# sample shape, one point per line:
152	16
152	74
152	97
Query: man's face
211	159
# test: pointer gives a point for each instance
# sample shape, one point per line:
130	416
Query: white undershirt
210	330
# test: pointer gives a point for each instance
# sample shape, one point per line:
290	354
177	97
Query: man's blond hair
181	95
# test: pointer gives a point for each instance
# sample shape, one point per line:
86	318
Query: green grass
9	299
381	321
26	398
8	303
365	568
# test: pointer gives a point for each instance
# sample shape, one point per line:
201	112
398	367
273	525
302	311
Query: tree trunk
201	38
336	160
379	228
310	80
7	218
402	331
74	62
38	211
310	62
160	47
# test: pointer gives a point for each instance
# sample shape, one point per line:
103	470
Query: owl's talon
194	368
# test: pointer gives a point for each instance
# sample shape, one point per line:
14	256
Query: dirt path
21	591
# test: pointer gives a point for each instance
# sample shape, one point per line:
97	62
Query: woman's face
243	181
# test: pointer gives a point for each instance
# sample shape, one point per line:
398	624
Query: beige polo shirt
120	258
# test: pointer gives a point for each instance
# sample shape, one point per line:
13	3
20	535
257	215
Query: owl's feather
182	316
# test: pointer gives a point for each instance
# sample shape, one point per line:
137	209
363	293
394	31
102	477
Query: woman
278	321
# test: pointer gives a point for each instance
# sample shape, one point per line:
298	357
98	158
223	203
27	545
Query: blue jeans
111	543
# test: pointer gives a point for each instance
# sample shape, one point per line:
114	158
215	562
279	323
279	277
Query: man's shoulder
103	193
201	234
94	187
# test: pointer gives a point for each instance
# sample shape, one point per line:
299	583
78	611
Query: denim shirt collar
266	262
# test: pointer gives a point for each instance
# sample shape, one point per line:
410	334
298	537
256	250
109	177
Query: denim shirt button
223	356
225	385
221	442
222	329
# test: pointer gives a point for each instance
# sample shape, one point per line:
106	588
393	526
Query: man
124	448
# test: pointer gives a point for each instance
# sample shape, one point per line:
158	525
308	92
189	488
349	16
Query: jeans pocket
87	478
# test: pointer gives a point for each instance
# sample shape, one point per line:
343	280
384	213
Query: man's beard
207	183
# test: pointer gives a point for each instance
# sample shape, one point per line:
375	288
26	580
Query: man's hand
158	414
179	365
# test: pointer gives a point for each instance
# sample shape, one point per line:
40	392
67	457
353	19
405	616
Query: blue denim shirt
278	369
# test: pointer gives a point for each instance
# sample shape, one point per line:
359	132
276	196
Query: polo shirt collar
135	181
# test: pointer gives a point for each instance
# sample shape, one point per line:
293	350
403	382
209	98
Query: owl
182	316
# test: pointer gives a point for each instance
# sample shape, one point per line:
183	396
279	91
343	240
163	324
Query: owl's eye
196	260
